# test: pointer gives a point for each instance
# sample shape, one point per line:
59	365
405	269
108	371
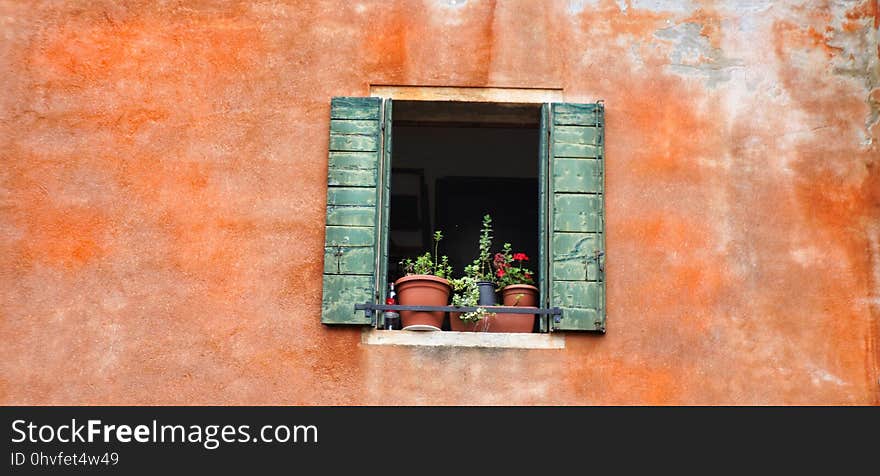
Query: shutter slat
353	160
355	108
350	142
352	196
576	135
577	175
574	256
576	294
574	119
341	292
354	126
577	212
577	318
568	114
577	150
349	260
351	215
351	178
576	108
350	235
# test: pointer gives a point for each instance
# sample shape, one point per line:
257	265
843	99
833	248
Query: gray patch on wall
856	58
692	54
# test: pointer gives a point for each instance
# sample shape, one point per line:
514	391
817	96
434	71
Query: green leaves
465	292
429	263
481	268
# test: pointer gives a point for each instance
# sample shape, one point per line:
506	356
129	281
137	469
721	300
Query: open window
536	168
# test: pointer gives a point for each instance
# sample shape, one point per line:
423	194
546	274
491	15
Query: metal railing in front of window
370	308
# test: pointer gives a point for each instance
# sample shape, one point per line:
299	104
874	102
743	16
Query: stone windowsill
463	339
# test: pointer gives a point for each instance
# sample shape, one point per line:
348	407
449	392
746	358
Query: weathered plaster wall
163	182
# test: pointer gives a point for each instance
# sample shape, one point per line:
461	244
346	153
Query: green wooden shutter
356	209
574	227
543	214
385	206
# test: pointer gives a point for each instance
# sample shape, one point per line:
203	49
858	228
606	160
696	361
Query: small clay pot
422	290
523	295
515	295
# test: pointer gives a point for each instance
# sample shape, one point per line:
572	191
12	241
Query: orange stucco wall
163	177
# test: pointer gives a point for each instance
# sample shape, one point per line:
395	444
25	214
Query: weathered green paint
351	178
349	215
577	212
574	256
349	260
352	196
576	225
341	292
543	213
561	108
574	119
580	319
576	114
349	142
354	126
354	160
365	196
576	135
355	108
577	150
576	294
577	175
350	235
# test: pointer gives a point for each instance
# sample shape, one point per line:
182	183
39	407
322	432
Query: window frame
547	212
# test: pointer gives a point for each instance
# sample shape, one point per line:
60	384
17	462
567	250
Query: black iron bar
370	307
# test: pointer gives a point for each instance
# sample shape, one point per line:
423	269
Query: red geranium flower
528	275
520	257
500	273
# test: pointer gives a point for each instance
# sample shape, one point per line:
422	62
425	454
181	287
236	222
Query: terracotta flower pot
518	295
422	290
523	295
515	295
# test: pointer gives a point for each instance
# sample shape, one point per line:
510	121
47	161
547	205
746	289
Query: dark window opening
452	163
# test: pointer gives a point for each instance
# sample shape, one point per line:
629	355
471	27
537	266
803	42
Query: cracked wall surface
164	171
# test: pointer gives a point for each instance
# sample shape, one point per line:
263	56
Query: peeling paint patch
575	7
819	375
693	54
676	6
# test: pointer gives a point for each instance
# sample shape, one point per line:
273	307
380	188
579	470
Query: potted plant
517	289
424	284
476	287
466	292
481	268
